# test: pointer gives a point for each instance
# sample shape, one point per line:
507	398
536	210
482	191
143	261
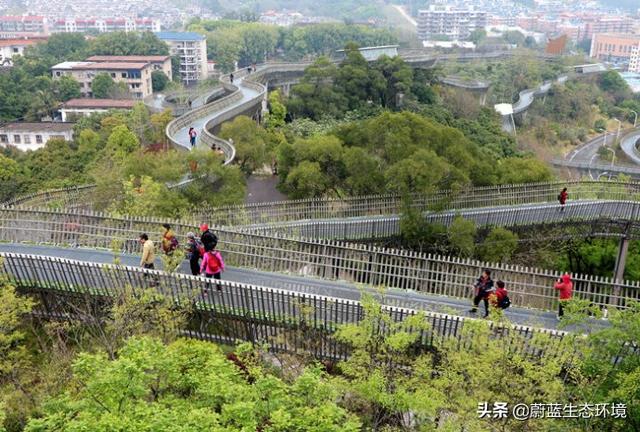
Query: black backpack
559	197
504	303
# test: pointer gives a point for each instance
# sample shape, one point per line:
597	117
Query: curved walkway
629	145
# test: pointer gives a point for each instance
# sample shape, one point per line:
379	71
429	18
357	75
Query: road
339	289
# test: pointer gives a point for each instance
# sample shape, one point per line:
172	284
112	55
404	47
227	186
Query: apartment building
614	47
32	136
137	75
449	21
158	62
100	25
14	25
191	49
74	109
609	24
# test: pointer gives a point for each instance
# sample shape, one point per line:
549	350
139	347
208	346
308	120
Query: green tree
128	43
462	236
307	180
65	88
146	197
315	96
102	85
611	81
277	111
498	246
189	385
122	142
9	172
159	80
250	141
523	170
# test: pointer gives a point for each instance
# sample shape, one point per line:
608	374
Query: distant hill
622	4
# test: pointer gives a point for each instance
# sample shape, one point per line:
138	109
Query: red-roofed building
100	25
74	109
10	48
11	25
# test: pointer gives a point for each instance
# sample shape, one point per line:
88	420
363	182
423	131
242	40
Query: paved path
261	189
628	145
182	135
340	289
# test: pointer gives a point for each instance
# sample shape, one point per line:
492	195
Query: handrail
367	264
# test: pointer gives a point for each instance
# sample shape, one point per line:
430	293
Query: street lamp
635	119
619	126
613	159
604	141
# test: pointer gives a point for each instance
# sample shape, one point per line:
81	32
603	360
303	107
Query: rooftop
99	103
133	58
179	36
69	65
14	42
109	65
37	127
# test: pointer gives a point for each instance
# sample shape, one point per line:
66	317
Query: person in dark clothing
208	238
483	288
231	78
193	253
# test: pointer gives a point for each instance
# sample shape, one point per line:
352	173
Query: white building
449	21
32	136
104	25
634	59
10	48
74	109
191	48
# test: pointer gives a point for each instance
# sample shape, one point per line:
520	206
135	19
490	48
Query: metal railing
284	320
369	265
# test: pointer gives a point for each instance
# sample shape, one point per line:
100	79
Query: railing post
618	272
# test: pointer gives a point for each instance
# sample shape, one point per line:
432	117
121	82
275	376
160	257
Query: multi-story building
10	48
104	25
15	26
74	109
449	21
137	75
634	59
614	47
609	24
32	136
191	49
158	62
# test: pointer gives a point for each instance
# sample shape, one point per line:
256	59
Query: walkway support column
618	271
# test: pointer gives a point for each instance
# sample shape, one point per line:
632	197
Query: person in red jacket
212	265
563	198
565	287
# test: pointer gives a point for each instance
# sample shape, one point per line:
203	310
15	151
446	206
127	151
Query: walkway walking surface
305	284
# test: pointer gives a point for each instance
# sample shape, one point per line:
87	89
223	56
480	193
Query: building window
15	50
4	138
113	74
124	74
38	139
16	139
58	73
27	139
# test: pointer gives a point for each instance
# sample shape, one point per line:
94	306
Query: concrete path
340	289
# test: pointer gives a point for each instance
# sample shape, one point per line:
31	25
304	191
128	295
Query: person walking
194	251
208	238
148	252
192	137
169	240
564	285
562	198
231	78
212	265
483	288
